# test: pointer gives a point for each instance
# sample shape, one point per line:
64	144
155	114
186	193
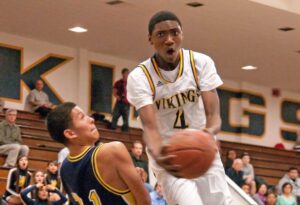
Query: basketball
194	150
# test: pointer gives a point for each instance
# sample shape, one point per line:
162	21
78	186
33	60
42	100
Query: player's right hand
165	160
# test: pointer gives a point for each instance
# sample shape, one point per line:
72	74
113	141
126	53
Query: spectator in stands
122	105
286	198
297	143
10	139
42	197
2	103
246	188
260	196
157	197
271	198
52	176
235	173
136	155
17	179
230	157
39	178
62	154
148	186
38	100
248	172
291	177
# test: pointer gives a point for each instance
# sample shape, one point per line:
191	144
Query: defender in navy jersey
103	174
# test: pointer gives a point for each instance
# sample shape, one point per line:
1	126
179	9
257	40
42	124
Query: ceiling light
114	2
249	67
78	29
285	29
194	4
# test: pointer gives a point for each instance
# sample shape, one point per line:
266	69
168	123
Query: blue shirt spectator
157	196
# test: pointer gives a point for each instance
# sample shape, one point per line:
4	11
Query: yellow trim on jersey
179	72
194	69
99	178
129	199
148	77
79	156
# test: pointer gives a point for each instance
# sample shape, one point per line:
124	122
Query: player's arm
153	139
129	174
151	134
212	111
209	80
140	95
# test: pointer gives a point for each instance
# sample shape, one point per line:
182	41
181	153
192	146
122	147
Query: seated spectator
148	186
38	100
157	197
10	139
286	198
297	143
17	179
52	176
246	188
62	155
136	155
248	172
260	196
291	177
2	103
39	178
230	157
235	173
271	198
42	197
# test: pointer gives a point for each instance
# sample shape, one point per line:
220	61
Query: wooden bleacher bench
269	163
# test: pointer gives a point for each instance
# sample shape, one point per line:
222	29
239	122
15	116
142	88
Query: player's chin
96	134
170	59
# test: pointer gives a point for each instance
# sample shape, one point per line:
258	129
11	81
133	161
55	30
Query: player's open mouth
170	51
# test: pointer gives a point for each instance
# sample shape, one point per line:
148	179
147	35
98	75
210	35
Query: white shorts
209	189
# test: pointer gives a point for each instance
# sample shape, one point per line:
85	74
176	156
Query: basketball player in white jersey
176	89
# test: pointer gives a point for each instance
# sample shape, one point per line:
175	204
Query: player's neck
165	65
76	150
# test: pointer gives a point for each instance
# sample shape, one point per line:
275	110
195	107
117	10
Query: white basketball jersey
178	103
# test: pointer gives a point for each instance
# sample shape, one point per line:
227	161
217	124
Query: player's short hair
161	16
124	70
58	120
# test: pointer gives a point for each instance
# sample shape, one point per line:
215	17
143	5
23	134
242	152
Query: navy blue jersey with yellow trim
82	181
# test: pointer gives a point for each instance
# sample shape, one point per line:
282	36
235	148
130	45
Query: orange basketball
195	151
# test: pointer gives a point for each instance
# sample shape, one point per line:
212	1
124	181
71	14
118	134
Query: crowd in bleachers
45	184
241	171
43	188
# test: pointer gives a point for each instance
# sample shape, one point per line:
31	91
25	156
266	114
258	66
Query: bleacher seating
269	163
